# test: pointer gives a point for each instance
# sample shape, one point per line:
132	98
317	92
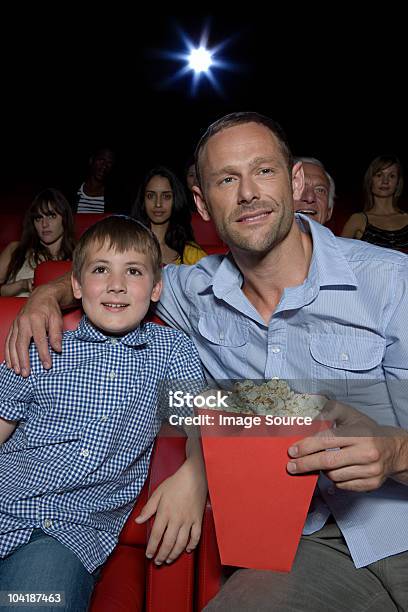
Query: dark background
72	83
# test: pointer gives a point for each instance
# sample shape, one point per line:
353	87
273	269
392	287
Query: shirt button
47	523
114	340
331	490
275	349
112	375
85	452
222	336
344	356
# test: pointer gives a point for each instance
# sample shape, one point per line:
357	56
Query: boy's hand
179	506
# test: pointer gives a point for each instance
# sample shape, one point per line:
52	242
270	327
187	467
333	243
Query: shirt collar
87	332
328	266
227	277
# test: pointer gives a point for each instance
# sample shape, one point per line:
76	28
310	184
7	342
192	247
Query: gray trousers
323	579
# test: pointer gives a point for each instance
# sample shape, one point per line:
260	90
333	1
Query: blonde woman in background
382	222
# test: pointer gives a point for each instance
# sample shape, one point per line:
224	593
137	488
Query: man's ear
298	180
76	287
156	291
201	203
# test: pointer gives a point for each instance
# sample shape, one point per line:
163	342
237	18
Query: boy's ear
156	291
298	180
76	287
200	203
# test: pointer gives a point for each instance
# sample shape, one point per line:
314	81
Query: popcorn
273	397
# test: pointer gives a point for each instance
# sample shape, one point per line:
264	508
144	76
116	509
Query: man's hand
179	506
41	316
357	455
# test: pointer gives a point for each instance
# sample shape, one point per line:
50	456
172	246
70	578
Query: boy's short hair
122	233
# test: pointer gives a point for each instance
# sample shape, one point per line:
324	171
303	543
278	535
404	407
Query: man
317	198
293	301
190	174
190	178
91	196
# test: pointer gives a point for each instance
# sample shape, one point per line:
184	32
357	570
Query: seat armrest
169	587
167	456
209	568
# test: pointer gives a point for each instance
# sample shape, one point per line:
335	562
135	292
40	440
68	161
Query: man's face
101	164
246	187
116	288
314	200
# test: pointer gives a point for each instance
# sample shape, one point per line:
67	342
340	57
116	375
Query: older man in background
317	198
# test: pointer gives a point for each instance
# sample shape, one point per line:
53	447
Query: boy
84	430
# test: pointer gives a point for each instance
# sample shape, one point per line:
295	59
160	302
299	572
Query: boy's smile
116	288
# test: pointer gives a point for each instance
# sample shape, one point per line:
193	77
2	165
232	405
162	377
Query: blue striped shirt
342	333
80	455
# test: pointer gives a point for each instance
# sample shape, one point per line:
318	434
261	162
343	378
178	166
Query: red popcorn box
259	508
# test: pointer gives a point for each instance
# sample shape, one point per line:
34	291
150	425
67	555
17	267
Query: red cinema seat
11	225
84	220
9	308
206	235
216	249
129	582
50	270
209	568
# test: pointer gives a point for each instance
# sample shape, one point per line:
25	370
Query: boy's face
116	288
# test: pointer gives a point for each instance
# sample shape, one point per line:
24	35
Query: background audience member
48	233
92	195
161	204
191	180
382	222
317	199
190	174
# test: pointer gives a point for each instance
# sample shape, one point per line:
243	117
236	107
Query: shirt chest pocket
225	343
344	358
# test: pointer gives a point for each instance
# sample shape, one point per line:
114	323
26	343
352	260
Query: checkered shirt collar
87	332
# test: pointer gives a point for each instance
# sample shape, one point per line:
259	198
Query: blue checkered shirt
80	455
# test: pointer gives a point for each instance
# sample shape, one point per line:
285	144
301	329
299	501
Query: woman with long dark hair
48	233
382	222
162	205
